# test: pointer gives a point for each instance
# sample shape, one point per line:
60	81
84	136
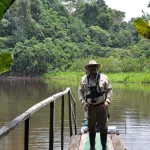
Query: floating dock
81	142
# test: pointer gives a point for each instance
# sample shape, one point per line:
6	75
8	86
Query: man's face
92	69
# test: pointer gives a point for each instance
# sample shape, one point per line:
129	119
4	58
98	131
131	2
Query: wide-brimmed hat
92	63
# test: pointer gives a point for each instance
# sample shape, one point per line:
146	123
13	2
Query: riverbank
132	77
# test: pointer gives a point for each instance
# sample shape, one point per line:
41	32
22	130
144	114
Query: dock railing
25	118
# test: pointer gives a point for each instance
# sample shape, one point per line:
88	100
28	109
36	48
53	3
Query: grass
65	75
131	77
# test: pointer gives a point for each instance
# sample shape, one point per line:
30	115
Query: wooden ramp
81	142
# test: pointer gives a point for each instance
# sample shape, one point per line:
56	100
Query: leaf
142	27
6	61
4	6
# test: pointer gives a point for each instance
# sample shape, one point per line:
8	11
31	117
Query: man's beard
93	73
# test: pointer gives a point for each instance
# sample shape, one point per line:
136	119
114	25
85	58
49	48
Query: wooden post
70	118
75	119
62	123
51	133
26	135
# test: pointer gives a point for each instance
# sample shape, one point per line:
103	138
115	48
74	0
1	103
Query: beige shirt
104	85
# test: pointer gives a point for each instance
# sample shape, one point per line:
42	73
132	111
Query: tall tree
97	13
23	19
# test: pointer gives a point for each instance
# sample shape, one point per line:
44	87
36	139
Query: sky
132	8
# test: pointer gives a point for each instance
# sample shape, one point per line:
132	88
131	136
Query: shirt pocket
102	85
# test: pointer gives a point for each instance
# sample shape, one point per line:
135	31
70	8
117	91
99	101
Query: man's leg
103	137
91	126
92	140
102	123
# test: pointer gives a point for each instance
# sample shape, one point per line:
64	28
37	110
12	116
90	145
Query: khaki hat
91	63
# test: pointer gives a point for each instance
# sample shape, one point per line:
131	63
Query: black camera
93	100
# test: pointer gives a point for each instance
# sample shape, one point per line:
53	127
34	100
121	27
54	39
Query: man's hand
105	105
85	106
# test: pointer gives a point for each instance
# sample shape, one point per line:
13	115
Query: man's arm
109	91
81	91
81	96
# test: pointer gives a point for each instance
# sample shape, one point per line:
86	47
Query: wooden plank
83	141
110	146
74	142
77	142
117	142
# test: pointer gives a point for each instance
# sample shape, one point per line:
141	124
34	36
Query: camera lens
93	101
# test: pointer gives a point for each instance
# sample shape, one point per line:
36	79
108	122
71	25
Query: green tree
99	35
144	45
78	31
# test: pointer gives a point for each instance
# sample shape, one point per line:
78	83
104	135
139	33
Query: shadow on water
129	111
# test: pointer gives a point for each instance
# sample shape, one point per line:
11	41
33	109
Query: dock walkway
81	142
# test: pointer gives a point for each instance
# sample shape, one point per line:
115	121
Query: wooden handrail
24	117
74	112
18	120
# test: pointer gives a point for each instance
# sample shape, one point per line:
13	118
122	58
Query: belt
96	104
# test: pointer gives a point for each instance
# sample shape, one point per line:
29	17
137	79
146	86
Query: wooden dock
81	142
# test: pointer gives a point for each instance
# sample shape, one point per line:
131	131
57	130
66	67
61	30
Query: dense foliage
46	36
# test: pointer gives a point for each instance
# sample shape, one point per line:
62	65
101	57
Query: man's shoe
92	148
104	148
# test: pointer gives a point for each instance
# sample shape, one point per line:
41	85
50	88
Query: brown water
129	112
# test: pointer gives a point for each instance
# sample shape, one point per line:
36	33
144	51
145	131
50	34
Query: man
95	94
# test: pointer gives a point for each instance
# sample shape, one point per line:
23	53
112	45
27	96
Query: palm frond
4	6
142	27
6	61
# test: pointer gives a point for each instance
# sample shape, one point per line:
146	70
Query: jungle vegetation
6	58
50	36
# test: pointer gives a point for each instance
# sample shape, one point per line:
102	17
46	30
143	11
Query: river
129	112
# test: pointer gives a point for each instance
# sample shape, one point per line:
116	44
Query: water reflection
129	111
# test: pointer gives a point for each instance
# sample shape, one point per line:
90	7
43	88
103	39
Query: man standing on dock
95	94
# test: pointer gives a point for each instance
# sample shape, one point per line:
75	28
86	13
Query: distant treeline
46	36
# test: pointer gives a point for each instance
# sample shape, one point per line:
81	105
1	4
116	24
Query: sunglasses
93	66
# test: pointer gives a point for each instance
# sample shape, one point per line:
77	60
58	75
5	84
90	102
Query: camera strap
97	78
